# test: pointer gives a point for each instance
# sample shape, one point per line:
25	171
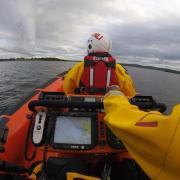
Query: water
18	78
163	86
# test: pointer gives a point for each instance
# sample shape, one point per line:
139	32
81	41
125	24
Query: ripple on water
17	78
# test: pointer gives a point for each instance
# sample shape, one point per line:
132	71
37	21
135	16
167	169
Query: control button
38	128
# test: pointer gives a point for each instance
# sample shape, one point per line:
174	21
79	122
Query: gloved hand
114	90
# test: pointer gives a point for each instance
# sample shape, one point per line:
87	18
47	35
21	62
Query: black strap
88	63
111	64
105	54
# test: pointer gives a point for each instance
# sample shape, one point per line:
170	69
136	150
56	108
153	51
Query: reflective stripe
147	124
91	76
108	78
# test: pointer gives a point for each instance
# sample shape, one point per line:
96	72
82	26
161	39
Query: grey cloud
17	26
152	39
60	28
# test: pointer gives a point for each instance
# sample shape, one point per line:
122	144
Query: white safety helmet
98	42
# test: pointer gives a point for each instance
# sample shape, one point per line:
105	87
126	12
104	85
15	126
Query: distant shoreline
152	67
36	59
124	64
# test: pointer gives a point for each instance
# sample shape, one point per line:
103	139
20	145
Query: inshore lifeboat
48	133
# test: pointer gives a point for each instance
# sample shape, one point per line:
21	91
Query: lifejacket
98	74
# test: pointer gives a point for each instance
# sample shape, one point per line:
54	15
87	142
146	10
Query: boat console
75	123
80	127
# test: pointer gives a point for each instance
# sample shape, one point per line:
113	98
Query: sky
139	29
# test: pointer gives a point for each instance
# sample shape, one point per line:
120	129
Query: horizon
158	65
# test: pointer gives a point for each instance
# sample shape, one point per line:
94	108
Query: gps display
72	130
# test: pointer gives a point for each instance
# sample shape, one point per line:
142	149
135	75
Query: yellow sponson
73	175
72	80
152	139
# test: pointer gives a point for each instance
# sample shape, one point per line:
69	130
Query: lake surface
18	78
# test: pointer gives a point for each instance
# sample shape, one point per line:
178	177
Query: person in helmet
151	138
98	71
